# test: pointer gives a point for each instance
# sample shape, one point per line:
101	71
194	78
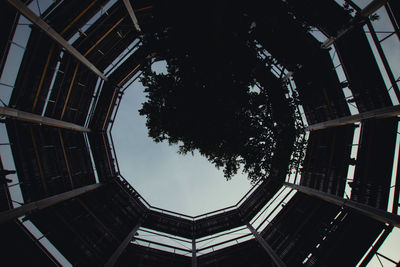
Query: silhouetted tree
208	100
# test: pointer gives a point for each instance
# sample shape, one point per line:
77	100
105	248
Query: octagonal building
65	65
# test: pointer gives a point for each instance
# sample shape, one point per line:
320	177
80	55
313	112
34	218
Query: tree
205	101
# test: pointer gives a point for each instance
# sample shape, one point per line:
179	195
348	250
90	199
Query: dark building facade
81	56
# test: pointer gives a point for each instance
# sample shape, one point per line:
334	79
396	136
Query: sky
181	183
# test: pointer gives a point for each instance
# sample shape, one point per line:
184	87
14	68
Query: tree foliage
209	101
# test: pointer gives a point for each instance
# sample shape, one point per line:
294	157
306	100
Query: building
65	99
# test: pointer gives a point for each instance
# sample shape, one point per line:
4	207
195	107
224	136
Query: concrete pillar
374	213
128	6
278	262
114	257
30	15
194	256
45	203
386	112
371	8
31	117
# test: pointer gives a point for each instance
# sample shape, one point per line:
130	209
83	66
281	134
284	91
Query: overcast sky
182	183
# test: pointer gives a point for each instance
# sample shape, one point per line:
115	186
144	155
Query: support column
45	203
194	256
376	246
132	14
278	262
371	8
385	62
374	213
381	113
392	19
31	117
30	15
114	257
